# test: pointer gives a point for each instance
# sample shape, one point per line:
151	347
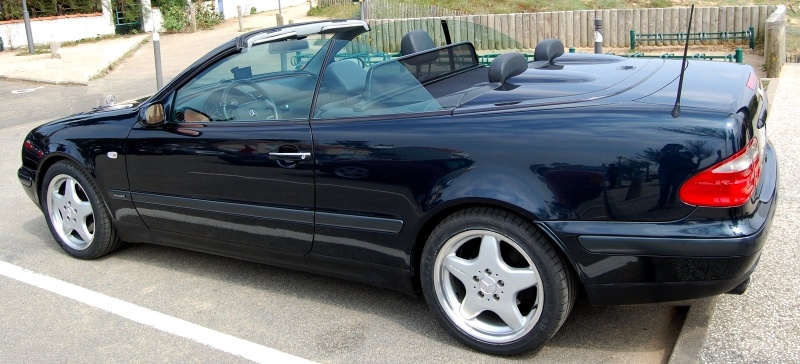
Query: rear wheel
75	212
495	282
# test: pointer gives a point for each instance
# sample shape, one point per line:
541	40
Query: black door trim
272	213
359	222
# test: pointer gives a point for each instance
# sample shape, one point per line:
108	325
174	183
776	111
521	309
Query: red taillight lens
728	183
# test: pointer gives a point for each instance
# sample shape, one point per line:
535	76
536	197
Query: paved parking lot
241	308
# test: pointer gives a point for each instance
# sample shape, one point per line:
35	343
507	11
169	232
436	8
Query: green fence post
633	39
752	37
739	55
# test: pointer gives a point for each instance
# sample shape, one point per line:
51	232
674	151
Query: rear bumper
632	263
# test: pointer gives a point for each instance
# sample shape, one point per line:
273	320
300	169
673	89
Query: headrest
417	41
507	65
548	50
347	74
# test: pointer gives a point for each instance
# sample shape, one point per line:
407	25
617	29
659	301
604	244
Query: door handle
289	156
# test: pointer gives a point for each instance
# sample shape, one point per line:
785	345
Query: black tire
75	212
477	297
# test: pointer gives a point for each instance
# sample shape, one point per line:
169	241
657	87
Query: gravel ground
763	325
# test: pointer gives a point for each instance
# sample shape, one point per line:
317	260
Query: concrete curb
691	340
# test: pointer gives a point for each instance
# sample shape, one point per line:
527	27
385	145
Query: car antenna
676	110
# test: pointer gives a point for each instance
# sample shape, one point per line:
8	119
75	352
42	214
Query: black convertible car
499	192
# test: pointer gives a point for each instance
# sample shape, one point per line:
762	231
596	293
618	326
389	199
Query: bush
176	17
207	16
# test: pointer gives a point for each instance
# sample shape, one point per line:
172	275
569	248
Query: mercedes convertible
499	191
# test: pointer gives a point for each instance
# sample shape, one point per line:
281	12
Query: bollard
193	18
752	37
571	49
239	12
279	17
739	55
157	55
598	36
633	39
27	20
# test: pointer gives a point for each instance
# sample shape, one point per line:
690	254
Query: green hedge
12	9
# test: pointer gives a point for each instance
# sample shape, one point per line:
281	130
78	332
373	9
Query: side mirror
153	115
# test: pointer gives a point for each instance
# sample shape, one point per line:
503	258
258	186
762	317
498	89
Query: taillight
728	183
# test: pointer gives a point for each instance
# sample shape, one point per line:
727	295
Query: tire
503	306
75	212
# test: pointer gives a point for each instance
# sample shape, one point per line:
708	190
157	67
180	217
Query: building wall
52	29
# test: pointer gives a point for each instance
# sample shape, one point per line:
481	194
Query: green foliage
253	10
176	17
129	10
659	4
207	16
12	9
343	11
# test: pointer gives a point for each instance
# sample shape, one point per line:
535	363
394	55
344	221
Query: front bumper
27	177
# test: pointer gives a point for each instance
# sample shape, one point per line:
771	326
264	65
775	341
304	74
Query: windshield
264	60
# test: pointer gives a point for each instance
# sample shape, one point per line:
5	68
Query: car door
377	155
232	162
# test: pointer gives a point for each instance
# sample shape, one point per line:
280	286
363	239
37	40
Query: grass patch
347	11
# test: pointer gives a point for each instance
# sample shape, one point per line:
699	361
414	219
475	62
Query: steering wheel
252	109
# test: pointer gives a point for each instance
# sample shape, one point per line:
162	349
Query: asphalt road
312	317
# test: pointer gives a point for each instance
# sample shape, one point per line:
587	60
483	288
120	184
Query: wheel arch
435	217
48	162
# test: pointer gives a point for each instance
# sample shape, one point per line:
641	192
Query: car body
498	192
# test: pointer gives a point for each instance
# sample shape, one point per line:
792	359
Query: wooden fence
574	28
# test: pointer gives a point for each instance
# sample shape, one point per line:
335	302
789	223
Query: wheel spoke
459	268
83	232
70	192
83	210
56	198
517	279
489	254
509	313
471	307
66	226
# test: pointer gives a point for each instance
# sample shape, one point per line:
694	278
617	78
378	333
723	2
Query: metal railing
701	37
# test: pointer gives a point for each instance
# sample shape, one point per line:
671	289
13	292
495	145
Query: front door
233	162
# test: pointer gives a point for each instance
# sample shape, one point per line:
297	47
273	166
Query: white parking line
215	339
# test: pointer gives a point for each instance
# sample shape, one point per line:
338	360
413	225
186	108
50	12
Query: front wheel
495	282
75	212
